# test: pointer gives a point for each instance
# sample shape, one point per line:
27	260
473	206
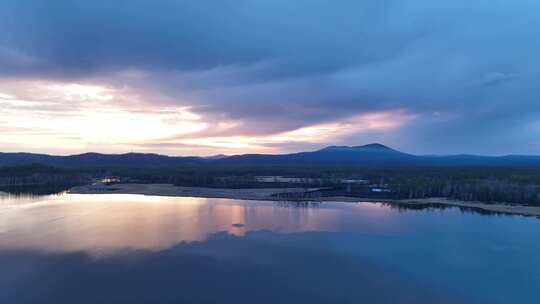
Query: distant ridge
214	157
92	159
374	154
374	146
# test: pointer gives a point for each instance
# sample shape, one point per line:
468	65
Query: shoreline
267	194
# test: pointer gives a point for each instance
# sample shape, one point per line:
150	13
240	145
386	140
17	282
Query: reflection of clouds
262	267
107	222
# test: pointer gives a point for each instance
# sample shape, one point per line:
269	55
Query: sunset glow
96	117
101	116
256	79
269	151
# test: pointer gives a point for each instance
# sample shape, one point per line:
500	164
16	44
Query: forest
513	185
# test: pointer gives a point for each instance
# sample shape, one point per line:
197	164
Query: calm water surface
143	249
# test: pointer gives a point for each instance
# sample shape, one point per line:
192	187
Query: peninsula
294	195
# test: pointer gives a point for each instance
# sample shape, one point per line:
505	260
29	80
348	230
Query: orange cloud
41	115
319	133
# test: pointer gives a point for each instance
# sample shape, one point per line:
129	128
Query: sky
201	77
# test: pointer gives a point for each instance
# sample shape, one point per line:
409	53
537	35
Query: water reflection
104	222
142	249
258	268
35	190
442	207
296	204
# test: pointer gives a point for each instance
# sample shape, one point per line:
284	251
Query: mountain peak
371	147
214	157
374	146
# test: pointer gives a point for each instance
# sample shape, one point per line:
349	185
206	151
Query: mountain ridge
374	154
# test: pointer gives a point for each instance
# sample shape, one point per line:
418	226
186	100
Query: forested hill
367	155
379	155
90	160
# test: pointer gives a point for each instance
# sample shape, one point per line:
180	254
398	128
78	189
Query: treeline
37	174
483	190
486	184
517	185
230	176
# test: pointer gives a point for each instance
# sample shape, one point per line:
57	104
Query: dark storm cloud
81	36
469	69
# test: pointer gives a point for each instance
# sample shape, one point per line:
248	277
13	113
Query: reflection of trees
36	190
298	204
439	207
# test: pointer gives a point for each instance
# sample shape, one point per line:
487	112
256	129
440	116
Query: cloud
43	115
304	137
495	78
255	69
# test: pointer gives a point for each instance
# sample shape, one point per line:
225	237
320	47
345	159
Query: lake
116	248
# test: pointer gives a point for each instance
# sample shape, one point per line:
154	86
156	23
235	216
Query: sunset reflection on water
152	249
71	222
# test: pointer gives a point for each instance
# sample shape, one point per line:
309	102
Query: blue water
143	249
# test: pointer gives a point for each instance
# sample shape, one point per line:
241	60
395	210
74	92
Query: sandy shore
267	194
171	190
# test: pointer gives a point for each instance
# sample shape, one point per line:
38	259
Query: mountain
367	155
372	154
97	160
378	155
214	157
